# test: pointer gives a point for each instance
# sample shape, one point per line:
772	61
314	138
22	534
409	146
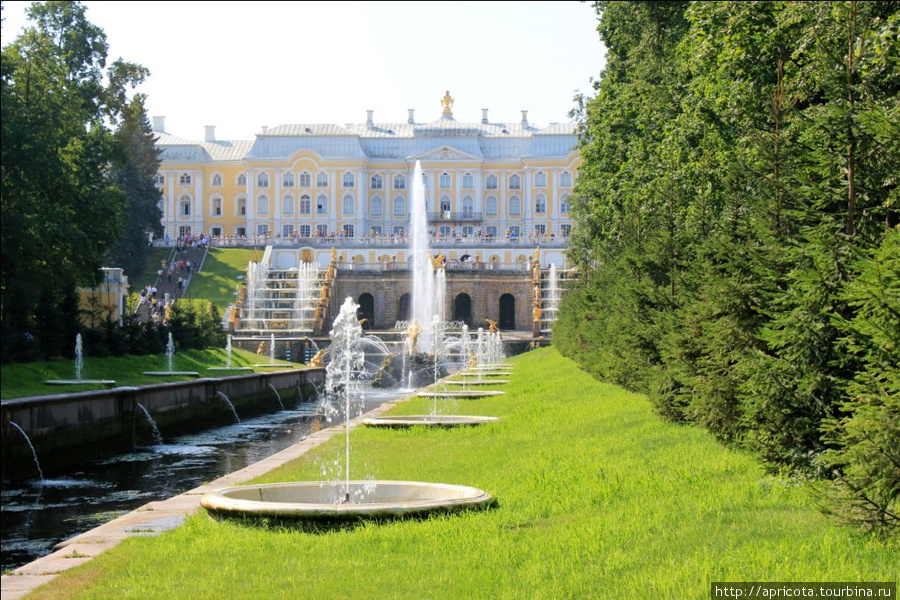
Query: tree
61	206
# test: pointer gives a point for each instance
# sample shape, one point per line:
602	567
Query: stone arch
366	310
404	307
507	319
462	309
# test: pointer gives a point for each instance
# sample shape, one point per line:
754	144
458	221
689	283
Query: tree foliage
62	208
740	171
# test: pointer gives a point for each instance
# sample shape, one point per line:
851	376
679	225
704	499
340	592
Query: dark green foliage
738	158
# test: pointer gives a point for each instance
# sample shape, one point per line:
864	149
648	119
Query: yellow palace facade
487	183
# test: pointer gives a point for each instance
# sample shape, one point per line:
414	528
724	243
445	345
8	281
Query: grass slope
222	270
597	498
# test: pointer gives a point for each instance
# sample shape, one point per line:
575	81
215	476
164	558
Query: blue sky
240	66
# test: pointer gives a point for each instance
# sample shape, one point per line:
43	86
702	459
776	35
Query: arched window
217	180
445	206
242	180
262	180
287	205
468	180
507	312
305	179
468	206
162	206
349	180
490	206
515	182
377	182
262	205
492	182
564	205
349	205
184	206
377	207
445	181
216	207
565	179
305	207
322	205
287	180
399	206
515	205
399	182
322	180
540	179
462	309
540	204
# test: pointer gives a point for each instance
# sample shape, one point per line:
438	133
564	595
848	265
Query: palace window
305	179
468	207
490	206
565	230
185	179
377	207
287	180
322	230
242	180
287	230
513	231
349	205
515	205
445	181
565	179
399	182
240	231
398	230
161	205
348	230
184	230
468	180
216	207
262	180
540	229
377	182
564	205
445	231
262	229
287	205
242	207
540	204
322	205
305	205
262	205
540	179
322	180
217	180
492	182
349	180
159	180
185	206
215	232
399	206
305	231
515	182
445	206
492	231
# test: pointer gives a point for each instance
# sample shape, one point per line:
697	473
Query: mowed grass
596	498
27	379
223	269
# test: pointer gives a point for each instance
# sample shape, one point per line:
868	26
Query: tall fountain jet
427	300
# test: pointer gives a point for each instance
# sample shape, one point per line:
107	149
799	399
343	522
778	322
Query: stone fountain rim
399	421
219	504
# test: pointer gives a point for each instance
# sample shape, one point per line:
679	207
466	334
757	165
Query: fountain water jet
277	395
79	367
30	445
157	436
170	360
230	405
316	500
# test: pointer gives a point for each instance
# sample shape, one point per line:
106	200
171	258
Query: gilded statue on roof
447	103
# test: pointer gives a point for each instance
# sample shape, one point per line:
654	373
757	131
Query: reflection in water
38	515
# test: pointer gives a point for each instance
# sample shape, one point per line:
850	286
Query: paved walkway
155	517
169	285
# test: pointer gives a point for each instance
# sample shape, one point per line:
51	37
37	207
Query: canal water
38	514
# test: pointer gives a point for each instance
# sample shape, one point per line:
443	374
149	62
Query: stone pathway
155	517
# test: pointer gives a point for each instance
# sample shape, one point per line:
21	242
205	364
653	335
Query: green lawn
597	498
27	379
223	270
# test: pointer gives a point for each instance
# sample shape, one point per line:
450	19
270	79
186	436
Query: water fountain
229	350
347	498
157	436
277	396
79	367
30	445
230	405
170	362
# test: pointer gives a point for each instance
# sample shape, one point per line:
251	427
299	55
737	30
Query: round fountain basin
401	421
461	394
322	500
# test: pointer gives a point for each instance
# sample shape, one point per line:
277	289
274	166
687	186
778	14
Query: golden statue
473	361
437	261
333	254
261	349
447	103
316	361
537	313
414	331
493	324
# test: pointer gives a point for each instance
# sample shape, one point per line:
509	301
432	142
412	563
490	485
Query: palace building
496	191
